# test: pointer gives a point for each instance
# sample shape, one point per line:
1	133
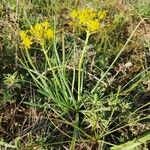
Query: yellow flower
82	19
89	13
88	19
23	34
49	34
86	15
26	40
37	31
93	25
45	24
41	32
74	14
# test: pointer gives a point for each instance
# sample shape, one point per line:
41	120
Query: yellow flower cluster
37	33
41	31
88	18
26	39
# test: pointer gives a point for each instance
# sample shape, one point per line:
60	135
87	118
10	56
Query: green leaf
131	145
7	145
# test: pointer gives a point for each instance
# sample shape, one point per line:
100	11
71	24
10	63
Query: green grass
79	90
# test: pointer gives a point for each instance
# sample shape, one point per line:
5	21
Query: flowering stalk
90	21
30	59
80	69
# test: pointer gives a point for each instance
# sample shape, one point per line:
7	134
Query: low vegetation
74	74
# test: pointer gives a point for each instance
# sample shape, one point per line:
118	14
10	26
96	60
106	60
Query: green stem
80	65
30	60
73	142
79	90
